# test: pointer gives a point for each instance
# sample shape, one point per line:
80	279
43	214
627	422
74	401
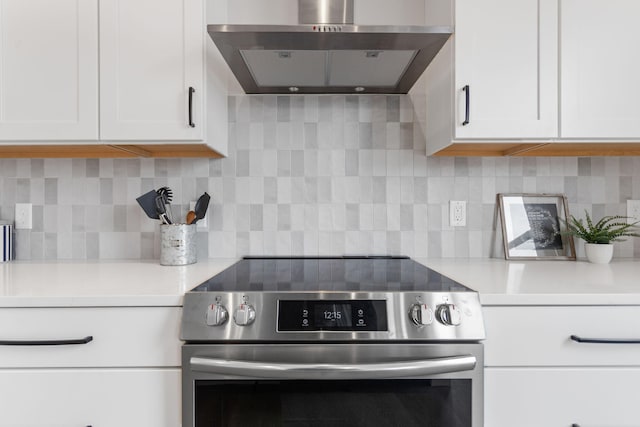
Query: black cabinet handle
467	96
604	340
191	91
572	425
85	340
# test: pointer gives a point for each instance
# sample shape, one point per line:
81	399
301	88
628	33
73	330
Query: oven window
406	403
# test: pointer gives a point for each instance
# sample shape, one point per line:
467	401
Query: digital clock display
332	315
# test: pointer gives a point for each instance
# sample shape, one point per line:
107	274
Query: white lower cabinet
127	373
562	397
90	397
120	336
536	375
541	335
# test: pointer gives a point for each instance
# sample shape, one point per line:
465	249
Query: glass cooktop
336	274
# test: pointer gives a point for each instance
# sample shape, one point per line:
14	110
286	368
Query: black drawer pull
604	340
572	425
467	96
191	91
85	340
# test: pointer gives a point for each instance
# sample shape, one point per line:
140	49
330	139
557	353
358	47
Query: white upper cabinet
151	69
496	79
48	70
506	54
600	65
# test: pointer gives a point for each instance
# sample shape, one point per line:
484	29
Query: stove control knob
245	315
217	315
421	314
448	314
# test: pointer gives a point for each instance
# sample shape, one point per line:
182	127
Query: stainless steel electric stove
332	341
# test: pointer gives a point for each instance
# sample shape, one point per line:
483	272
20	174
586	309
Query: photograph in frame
534	226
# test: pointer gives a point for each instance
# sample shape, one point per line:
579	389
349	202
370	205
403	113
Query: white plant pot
599	253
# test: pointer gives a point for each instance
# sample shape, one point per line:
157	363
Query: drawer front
541	336
90	397
587	397
122	336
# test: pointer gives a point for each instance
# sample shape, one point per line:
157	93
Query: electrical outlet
457	213
24	217
633	210
203	223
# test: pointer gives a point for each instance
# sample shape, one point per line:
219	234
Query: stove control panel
338	316
332	315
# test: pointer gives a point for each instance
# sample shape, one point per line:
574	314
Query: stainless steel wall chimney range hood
327	53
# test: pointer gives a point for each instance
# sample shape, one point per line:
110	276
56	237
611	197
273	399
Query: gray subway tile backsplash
305	175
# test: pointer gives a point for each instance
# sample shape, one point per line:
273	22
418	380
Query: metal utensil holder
178	244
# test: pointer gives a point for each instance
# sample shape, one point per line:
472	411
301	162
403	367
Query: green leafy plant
608	229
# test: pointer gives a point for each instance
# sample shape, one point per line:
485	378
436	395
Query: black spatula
202	204
148	204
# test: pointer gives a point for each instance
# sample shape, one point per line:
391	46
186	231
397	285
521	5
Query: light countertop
501	282
146	283
101	283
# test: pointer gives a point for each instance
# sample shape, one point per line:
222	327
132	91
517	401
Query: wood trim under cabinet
546	149
171	150
485	149
107	151
586	149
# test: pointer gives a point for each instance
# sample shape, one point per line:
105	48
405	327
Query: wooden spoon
191	216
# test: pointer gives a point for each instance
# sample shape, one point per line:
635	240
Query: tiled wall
305	175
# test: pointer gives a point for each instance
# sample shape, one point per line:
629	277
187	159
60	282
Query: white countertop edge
94	301
504	300
145	283
101	283
562	283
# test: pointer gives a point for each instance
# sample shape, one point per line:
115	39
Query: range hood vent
326	53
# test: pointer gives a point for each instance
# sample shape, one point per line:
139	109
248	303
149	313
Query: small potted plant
598	236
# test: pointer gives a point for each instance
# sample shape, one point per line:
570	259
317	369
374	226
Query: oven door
352	385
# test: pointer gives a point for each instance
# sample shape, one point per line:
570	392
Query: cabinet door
541	336
536	397
48	70
122	336
90	397
600	65
151	53
506	53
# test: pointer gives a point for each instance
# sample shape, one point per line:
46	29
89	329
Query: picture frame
534	227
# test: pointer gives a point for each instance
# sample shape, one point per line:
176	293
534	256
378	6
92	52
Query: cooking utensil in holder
178	244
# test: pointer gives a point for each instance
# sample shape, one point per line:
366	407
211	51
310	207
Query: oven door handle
322	371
